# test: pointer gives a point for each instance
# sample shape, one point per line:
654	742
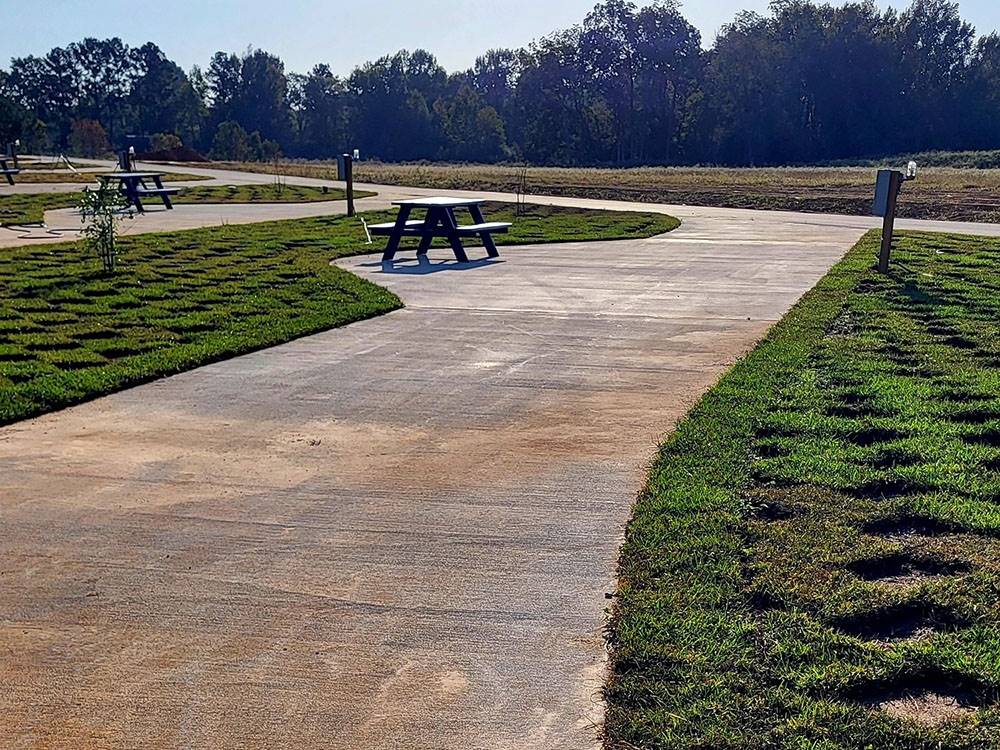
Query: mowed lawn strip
68	332
263	194
30	208
815	561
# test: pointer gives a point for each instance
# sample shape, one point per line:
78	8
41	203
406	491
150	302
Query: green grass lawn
68	332
19	208
815	562
263	194
29	209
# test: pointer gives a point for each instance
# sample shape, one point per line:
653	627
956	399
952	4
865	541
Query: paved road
394	535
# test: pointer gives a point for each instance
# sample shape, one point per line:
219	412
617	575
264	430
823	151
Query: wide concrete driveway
397	534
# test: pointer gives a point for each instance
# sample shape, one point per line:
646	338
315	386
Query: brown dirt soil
180	154
928	708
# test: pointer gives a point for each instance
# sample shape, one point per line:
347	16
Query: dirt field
939	193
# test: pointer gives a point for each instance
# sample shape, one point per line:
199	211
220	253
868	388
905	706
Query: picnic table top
440	202
127	175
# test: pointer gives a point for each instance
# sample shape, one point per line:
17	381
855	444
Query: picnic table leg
451	227
431	223
486	237
166	198
425	244
3	165
131	188
397	233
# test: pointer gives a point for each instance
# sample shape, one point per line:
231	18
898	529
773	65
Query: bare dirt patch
928	708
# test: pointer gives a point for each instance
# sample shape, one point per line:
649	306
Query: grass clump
815	561
69	332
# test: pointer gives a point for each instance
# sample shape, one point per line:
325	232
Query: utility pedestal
887	187
346	168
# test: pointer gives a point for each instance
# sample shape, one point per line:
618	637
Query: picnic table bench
134	187
440	221
8	171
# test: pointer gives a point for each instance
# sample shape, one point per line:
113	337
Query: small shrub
101	209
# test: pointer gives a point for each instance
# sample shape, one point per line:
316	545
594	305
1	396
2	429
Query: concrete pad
397	534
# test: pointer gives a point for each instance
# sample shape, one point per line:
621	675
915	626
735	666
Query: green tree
323	114
981	109
105	72
391	106
936	46
262	102
232	143
494	77
49	87
561	119
162	97
474	131
252	91
223	81
88	138
16	120
671	69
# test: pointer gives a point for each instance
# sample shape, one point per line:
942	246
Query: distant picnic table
133	186
439	221
8	171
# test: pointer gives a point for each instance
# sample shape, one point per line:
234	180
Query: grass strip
20	208
815	560
269	193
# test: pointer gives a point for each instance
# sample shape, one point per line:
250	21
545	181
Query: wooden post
349	178
889	221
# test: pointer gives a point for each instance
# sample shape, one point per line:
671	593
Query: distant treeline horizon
809	82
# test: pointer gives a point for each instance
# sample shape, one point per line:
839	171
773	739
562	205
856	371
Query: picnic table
133	185
439	221
7	171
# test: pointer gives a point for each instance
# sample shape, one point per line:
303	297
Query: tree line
630	85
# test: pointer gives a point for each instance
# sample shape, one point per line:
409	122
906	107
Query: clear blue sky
341	33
